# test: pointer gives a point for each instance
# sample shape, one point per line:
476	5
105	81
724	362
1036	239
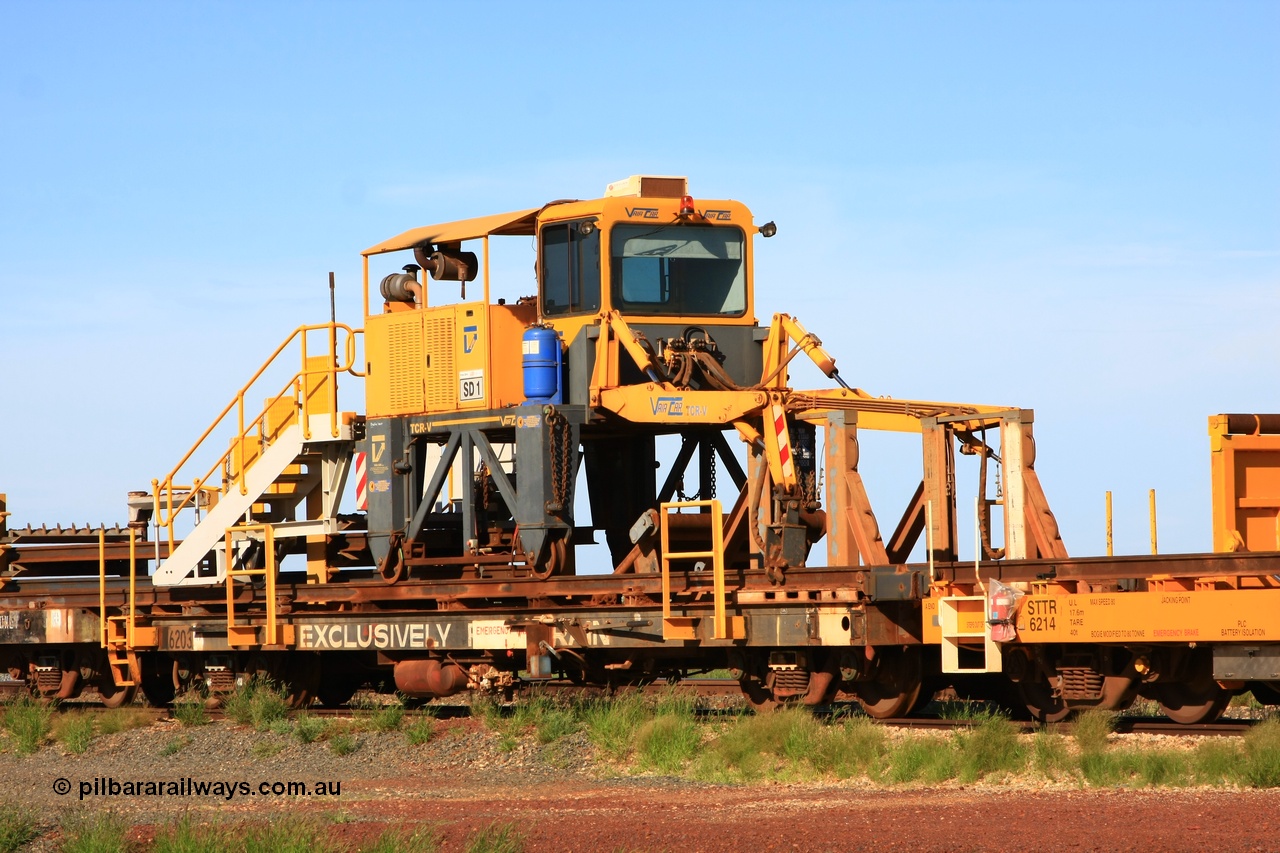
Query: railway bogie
501	438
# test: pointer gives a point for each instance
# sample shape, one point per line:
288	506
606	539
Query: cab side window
569	263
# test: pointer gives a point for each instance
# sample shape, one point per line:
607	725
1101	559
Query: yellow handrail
720	620
163	490
131	619
269	546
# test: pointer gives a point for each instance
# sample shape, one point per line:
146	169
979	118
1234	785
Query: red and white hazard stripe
362	483
784	442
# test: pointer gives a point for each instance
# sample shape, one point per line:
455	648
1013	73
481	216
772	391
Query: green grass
28	722
308	729
488	710
422	840
344	743
287	835
755	746
1093	730
990	747
1138	767
612	724
1049	755
929	759
175	745
267	748
190	711
850	748
1261	766
421	730
75	731
98	832
258	703
117	720
496	838
668	742
387	718
17	827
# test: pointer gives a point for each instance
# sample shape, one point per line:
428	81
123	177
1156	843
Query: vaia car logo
470	337
674	407
642	212
671	406
718	215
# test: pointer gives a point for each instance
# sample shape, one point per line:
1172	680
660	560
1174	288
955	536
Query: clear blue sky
1070	207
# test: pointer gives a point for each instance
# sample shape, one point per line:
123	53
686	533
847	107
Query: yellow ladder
116	632
247	635
682	627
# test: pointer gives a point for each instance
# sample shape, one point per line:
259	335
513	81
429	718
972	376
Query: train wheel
1191	705
758	696
895	691
557	561
1043	706
112	695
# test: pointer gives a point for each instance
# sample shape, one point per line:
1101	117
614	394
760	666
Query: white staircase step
180	568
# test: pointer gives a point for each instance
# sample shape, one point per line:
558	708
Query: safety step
963	623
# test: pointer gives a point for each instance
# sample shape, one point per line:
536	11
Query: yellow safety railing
129	618
240	635
170	496
720	623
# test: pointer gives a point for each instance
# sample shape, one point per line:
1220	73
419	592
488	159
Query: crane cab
677	269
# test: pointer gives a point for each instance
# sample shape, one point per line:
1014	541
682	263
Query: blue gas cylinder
540	348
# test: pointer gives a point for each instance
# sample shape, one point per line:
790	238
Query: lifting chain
561	437
484	482
706	491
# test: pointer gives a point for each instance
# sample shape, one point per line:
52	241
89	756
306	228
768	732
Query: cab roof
518	223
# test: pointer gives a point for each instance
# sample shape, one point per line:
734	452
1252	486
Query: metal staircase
287	467
278	489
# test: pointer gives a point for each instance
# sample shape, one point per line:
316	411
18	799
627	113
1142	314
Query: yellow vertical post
485	241
1151	500
717	570
300	389
133	582
1110	540
666	568
271	584
244	488
365	258
231	595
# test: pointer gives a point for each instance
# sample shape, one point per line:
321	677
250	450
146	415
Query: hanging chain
710	495
561	437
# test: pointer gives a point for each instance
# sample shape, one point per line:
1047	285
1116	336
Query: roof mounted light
768	229
686	205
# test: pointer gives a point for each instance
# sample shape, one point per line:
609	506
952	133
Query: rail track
721	688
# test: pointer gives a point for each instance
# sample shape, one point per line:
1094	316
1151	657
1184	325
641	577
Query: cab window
678	269
570	268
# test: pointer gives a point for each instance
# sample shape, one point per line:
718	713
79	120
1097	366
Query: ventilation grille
405	368
442	378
